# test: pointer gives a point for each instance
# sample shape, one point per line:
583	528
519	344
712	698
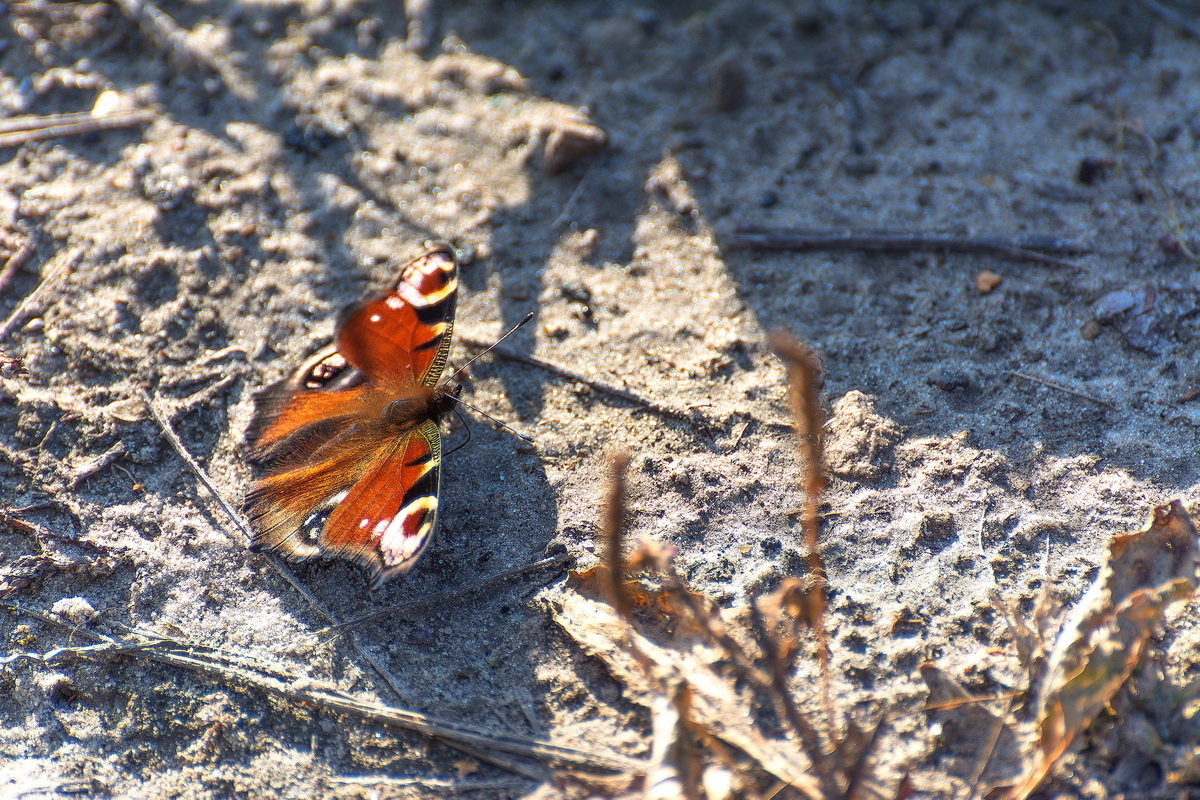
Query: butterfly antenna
466	427
508	428
488	349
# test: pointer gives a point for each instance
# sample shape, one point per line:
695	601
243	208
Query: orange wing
404	334
399	339
388	519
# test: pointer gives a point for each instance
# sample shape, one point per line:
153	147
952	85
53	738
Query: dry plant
1106	633
726	723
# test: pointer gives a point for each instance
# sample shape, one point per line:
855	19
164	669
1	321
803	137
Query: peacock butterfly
350	443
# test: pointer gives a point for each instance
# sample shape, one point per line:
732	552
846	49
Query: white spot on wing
400	542
412	295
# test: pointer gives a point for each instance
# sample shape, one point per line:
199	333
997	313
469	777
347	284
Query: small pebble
74	609
1113	304
986	281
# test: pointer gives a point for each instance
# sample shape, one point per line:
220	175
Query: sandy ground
304	149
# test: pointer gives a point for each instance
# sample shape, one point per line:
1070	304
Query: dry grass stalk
614	531
804	381
660	638
716	713
17	131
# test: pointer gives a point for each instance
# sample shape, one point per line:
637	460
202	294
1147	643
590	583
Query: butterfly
350	442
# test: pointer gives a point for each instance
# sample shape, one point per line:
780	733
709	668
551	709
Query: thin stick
168	432
107	459
432	783
48	280
1036	250
21	130
803	378
19	258
443	598
1059	387
598	386
330	618
53	656
534	771
332	699
1174	17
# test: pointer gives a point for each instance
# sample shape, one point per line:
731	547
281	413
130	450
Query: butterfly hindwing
389	517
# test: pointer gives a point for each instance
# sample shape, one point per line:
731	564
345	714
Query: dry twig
49	278
17	131
1059	387
804	376
1040	251
443	599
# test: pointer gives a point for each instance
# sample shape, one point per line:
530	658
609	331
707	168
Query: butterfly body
350	442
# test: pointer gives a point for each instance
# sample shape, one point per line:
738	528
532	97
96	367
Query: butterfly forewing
404	334
352	438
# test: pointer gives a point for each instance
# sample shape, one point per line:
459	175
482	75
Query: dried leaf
717	705
649	598
1106	632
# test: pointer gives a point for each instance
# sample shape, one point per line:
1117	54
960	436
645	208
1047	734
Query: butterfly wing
287	506
388	518
326	432
403	335
323	392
